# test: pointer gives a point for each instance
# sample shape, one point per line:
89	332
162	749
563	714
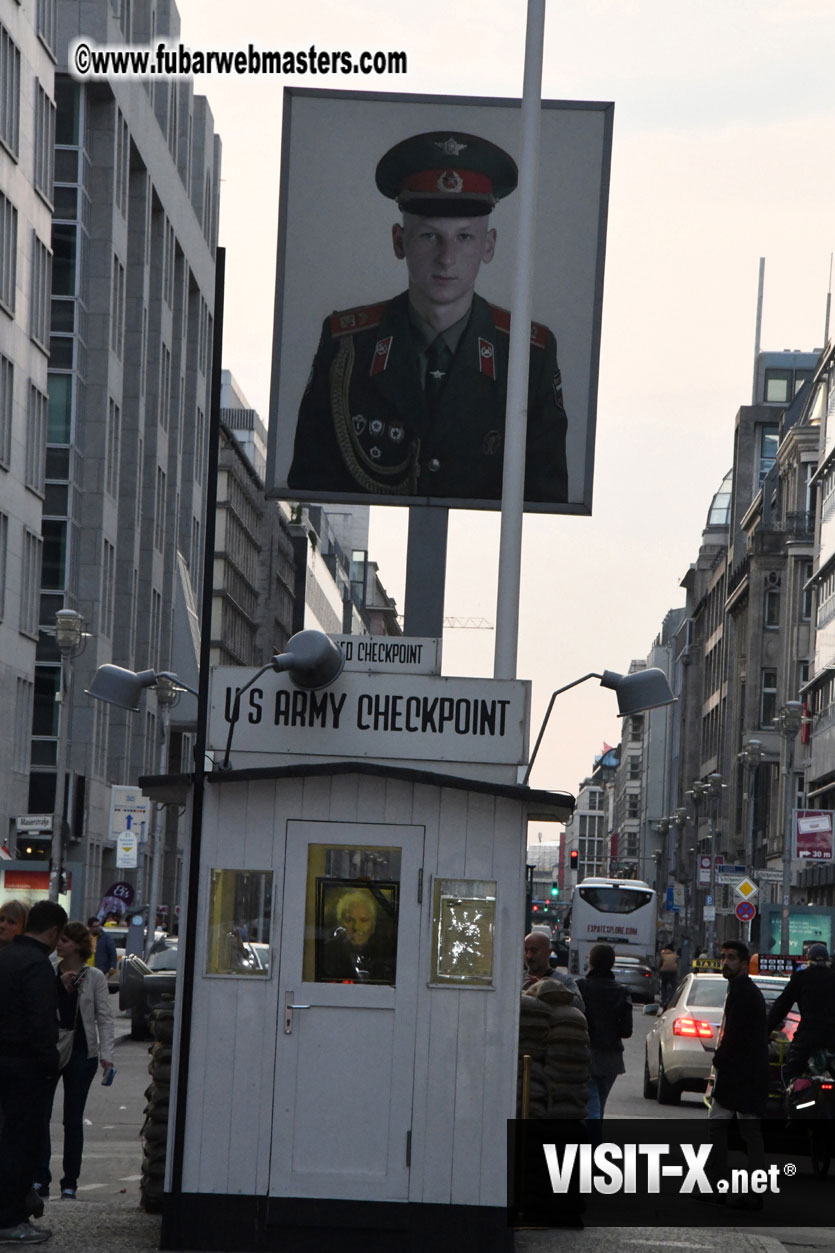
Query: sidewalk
647	1239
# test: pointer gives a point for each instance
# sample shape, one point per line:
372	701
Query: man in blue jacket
28	1063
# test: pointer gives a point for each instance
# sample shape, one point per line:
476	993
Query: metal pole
787	844
513	476
57	852
157	825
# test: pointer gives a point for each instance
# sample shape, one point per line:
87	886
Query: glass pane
63	260
464	920
240	913
66	197
54	554
60	408
351	914
66	167
67	96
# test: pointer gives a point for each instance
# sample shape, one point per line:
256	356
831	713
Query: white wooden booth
361	1107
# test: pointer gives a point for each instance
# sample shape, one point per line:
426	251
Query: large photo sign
398	224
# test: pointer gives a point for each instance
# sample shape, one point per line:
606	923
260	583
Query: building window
8	253
114	435
768	698
122	164
47	23
54	573
769	443
23	725
4	557
44	143
41	282
36	440
30	583
6	398
807	591
64	259
9	92
159	511
778	387
771	609
164	387
117	308
108	587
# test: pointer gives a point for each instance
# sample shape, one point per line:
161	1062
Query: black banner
670	1173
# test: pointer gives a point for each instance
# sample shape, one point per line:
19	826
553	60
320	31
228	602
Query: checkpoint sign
745	911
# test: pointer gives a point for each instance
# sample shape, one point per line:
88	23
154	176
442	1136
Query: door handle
288	1012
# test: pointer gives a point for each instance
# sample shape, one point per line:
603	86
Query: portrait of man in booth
356	931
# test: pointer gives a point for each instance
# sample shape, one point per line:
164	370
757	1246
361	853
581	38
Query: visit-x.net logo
674	1172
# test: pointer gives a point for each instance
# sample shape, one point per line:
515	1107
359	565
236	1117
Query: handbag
66	1035
66	1039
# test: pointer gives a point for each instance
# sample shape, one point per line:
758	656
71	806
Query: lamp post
788	722
715	784
677	821
751	755
698	792
69	636
645	689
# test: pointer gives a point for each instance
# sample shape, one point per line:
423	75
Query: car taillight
690	1027
827	1087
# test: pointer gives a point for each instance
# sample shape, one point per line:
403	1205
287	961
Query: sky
722	154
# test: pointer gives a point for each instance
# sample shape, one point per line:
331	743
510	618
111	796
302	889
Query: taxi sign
746	889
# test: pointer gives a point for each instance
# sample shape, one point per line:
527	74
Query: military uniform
365	425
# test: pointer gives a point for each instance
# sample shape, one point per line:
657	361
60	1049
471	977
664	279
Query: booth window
351	914
463	931
240	914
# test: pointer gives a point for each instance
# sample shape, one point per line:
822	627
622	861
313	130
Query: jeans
599	1088
24	1098
750	1130
76	1076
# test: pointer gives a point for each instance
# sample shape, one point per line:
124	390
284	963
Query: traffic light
574	858
555	891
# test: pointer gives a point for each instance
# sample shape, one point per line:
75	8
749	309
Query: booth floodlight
116	686
311	660
636	693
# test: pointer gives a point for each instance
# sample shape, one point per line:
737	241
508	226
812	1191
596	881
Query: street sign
127	848
769	876
34	822
704	870
745	911
130	813
746	889
710	913
729	874
670	904
708	900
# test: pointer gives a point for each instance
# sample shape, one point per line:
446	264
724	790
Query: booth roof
542	805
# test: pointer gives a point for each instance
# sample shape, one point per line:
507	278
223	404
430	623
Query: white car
681	1043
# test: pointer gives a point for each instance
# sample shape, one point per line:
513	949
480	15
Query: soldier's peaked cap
446	174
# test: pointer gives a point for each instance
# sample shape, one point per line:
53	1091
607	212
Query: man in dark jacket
740	1062
28	1063
813	990
609	1015
105	957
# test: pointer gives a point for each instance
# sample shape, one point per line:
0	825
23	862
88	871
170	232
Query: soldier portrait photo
403	400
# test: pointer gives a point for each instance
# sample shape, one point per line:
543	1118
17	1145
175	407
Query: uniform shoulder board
349	321
501	317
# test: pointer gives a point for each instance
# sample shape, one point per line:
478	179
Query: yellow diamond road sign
746	889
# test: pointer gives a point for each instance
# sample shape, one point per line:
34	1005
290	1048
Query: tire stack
155	1128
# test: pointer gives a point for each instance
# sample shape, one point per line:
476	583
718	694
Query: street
106	1217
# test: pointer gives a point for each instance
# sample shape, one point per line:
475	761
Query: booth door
348	973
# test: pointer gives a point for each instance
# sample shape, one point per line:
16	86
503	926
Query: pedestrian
813	991
668	970
538	966
13	915
554	1035
28	1063
104	956
407	396
83	1004
740	1062
609	1015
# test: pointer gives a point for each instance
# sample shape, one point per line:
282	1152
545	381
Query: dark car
639	979
143	986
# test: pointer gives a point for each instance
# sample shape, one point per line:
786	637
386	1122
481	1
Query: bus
620	911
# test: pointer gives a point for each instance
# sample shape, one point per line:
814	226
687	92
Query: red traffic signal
574	858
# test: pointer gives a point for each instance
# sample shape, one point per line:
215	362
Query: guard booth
350	1063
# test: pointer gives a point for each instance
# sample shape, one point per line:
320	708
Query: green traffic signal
555	890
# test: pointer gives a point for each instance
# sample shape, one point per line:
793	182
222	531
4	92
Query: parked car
639	979
681	1042
119	935
145	985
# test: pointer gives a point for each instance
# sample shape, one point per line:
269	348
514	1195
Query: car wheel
650	1088
668	1093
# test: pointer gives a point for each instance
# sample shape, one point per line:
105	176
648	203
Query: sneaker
24	1233
68	1194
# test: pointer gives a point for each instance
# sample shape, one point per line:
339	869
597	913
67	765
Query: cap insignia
450	147
450	180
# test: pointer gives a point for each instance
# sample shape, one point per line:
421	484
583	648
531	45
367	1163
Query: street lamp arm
177	681
236	708
559	692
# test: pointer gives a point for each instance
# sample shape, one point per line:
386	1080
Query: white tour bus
620	911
